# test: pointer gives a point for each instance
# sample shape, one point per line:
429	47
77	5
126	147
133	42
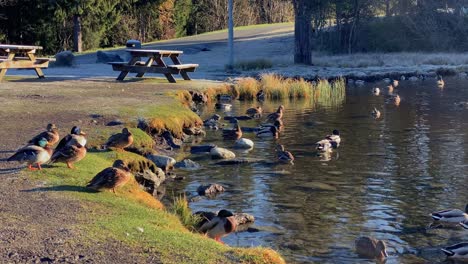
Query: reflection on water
383	181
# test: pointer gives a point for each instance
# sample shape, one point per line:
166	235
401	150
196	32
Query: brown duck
276	115
69	154
371	248
120	140
111	177
220	226
254	111
234	133
51	135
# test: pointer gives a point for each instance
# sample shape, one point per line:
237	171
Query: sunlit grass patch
180	207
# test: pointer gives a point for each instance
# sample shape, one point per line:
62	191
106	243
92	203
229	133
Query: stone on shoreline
187	164
244	143
150	180
202	148
163	162
221	153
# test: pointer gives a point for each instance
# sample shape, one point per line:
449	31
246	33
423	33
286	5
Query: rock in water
163	162
187	164
210	189
244	218
221	153
202	148
244	143
150	180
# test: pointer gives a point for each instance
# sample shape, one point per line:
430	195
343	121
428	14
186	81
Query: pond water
383	180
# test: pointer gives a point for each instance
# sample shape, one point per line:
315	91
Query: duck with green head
111	177
51	135
38	154
453	216
220	226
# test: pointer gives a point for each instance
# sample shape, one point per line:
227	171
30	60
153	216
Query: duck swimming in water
457	251
371	248
454	216
440	81
283	155
276	115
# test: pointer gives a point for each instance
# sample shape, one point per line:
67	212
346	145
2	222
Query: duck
450	215
260	96
276	115
390	89
334	138
396	100
440	81
254	111
220	226
268	132
224	97
395	83
464	224
234	133
223	106
371	248
457	251
212	122
283	155
111	178
376	91
51	135
375	113
69	154
323	145
120	140
38	154
75	136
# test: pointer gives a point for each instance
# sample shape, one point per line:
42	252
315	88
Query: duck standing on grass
371	248
283	155
120	140
453	216
220	226
71	148
51	135
457	251
33	154
111	177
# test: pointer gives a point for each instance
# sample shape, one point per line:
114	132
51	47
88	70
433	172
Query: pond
383	181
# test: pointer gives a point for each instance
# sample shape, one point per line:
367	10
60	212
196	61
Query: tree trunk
387	8
77	34
303	32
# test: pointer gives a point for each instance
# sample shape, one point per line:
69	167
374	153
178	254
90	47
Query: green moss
124	215
141	140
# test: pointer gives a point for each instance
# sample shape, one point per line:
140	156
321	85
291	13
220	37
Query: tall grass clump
249	65
248	88
299	89
329	94
274	86
183	211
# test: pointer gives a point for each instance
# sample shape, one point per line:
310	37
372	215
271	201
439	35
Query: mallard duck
223	106
395	83
396	100
33	154
69	154
224	97
371	248
390	89
271	131
450	215
324	145
260	96
220	226
276	115
111	177
120	140
283	155
234	133
76	136
254	111
51	135
376	91
212	122
375	113
440	81
334	138
457	251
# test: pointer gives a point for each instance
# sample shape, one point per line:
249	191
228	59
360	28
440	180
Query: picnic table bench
154	64
21	57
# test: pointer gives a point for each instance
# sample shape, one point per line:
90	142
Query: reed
183	211
248	88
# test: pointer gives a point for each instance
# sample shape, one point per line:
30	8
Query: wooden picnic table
153	64
21	57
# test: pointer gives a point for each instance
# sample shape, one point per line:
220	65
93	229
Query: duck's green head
42	142
225	213
76	130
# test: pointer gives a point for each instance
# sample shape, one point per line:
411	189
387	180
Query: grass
181	208
249	65
137	219
159	118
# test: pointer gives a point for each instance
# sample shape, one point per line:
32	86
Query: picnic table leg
161	63
123	74
147	64
39	72
11	55
183	73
